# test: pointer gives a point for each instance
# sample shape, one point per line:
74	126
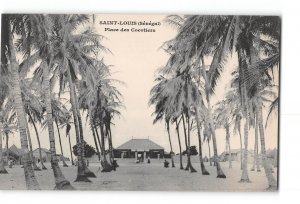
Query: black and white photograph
139	102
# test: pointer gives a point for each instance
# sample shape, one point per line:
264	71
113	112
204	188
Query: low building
236	155
135	148
46	154
14	153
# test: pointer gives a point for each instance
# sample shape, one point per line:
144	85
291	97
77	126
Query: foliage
193	151
89	151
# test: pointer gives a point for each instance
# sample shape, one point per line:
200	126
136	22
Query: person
39	163
10	163
149	160
87	163
166	164
76	162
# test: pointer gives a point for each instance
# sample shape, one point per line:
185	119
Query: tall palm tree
222	117
60	113
2	167
173	98
73	58
199	130
99	96
8	22
44	45
179	143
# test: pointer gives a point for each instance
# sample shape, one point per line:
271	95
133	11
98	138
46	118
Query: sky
135	58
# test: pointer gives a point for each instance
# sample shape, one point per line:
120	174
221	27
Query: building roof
140	145
43	149
14	150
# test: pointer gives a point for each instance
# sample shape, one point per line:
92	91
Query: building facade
137	148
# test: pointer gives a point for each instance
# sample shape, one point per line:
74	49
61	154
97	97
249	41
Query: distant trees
89	151
193	151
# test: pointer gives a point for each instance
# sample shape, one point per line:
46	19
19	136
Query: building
46	154
15	154
135	148
236	155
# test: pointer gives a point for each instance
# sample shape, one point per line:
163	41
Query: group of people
141	159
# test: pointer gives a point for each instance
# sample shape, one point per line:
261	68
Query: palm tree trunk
245	177
245	103
87	172
61	149
268	170
172	153
98	139
30	178
6	146
203	169
179	142
81	163
220	173
35	167
104	164
75	106
2	167
256	152
208	144
192	169
60	181
186	143
106	167
255	147
95	140
38	140
109	146
228	144
111	150
241	149
71	152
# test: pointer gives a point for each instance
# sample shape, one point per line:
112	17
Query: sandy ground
144	176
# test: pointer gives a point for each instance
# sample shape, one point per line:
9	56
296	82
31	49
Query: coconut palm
2	167
9	23
40	40
73	59
199	130
60	112
173	98
179	142
222	118
101	99
218	36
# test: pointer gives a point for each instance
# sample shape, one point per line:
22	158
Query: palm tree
68	128
59	114
73	58
199	130
99	96
8	22
7	127
172	153
173	98
222	117
207	138
44	45
2	167
179	143
32	120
